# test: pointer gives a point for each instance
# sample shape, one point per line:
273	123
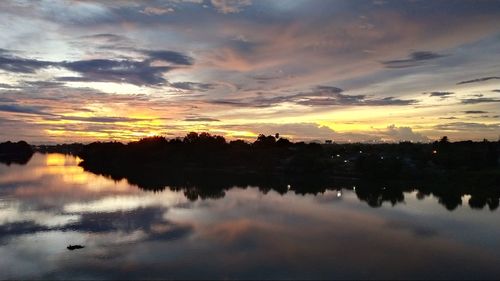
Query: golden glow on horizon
136	122
234	134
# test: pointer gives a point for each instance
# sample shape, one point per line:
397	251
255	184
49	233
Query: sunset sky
376	70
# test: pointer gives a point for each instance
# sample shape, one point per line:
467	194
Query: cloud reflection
129	233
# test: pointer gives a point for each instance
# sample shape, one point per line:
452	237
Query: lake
242	233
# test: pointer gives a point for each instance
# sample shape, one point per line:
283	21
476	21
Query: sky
347	71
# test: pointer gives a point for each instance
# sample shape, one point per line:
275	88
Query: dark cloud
42	84
169	56
319	96
7	86
496	91
201	119
193	86
6	99
124	71
389	101
37	110
479	80
22	65
103	119
466	126
479	100
442	95
448	118
105	36
475	112
104	70
330	89
235	103
414	59
264	78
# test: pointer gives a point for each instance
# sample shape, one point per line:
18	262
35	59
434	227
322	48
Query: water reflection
20	159
214	184
251	232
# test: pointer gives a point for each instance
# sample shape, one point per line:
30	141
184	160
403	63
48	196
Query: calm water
51	203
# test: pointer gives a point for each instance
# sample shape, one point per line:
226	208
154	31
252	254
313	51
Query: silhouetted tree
15	152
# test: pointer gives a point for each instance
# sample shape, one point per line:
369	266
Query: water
127	232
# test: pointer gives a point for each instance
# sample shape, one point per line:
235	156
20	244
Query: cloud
404	134
388	101
414	59
266	78
7	86
103	119
109	37
442	95
21	65
40	84
318	96
479	100
124	71
230	6
37	110
496	91
201	119
193	86
157	11
169	56
461	126
7	100
104	70
479	80
475	112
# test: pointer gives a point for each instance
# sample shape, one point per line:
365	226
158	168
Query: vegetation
272	155
15	152
72	148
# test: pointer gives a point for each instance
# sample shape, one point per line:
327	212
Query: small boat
75	247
